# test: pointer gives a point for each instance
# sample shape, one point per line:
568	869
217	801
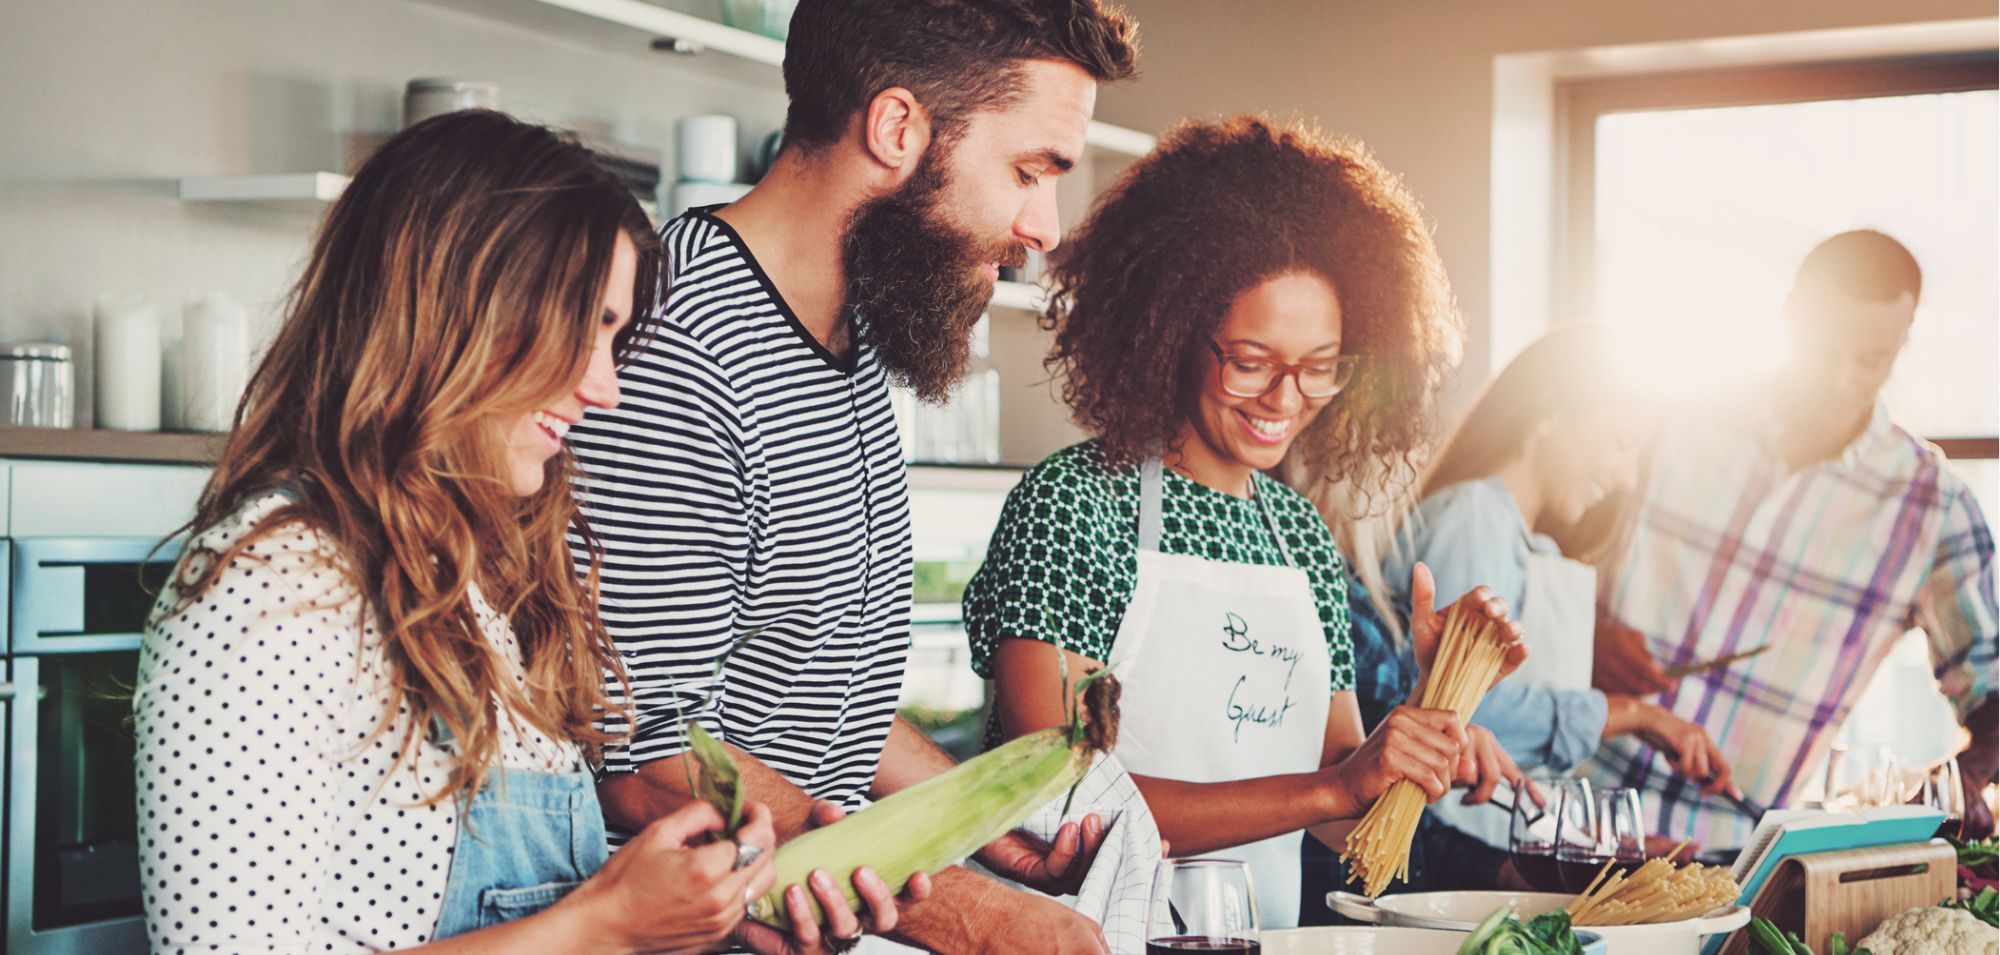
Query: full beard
917	283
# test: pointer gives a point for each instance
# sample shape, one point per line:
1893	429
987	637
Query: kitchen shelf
1021	296
634	24
185	447
1118	139
86	444
661	22
281	187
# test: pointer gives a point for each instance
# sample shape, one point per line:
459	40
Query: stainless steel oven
75	611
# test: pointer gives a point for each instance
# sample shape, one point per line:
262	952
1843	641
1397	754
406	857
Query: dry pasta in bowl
1656	891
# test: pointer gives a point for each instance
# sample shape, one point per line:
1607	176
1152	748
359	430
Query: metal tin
38	382
431	96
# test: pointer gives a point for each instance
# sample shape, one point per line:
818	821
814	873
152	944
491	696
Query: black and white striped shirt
751	482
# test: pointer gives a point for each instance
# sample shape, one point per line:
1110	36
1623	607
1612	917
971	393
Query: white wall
1415	80
104	104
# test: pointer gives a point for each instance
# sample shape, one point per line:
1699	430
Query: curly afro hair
1216	210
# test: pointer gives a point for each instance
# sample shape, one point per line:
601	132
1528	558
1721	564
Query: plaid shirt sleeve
1956	607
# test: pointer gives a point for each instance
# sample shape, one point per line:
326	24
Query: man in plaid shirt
1801	516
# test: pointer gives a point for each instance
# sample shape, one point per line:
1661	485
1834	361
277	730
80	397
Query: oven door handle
48	611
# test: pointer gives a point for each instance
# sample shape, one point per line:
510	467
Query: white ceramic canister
706	146
127	352
687	195
215	360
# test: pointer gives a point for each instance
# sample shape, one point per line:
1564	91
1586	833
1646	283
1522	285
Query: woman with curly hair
1244	289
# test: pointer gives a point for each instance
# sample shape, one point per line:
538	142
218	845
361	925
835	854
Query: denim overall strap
524	841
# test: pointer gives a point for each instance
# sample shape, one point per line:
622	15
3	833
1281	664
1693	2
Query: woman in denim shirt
1535	486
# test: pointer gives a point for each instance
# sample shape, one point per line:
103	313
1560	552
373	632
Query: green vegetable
711	774
1553	929
939	822
1502	933
1985	905
718	783
1767	939
1972	855
1493	925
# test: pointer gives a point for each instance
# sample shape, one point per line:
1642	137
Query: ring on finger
747	854
842	943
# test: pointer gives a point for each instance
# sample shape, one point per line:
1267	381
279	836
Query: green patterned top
1064	561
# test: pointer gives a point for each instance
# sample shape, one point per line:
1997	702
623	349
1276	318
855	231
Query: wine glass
1621	829
1531	833
1944	790
1865	779
1575	832
1202	905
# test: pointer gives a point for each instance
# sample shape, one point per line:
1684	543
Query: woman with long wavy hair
1245	288
1536	488
370	696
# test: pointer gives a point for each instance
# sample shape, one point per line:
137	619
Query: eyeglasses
1255	377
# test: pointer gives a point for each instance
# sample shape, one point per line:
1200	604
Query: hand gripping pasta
1468	658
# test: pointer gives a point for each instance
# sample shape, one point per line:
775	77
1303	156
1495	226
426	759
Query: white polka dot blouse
273	813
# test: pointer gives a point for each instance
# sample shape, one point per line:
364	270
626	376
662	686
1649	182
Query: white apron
1558	615
1225	675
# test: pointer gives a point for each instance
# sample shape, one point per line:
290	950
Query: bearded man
748	493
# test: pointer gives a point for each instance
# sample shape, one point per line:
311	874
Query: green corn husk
718	781
712	774
942	820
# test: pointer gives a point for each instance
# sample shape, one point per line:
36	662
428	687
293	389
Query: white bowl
1462	911
1349	940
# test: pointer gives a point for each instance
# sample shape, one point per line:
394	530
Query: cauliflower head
1933	931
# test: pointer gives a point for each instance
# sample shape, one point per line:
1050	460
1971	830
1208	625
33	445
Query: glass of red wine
1621	831
1202	905
1539	834
1614	832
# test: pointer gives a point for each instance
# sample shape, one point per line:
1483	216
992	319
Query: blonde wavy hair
457	282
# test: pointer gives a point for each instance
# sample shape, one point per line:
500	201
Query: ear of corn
935	824
942	820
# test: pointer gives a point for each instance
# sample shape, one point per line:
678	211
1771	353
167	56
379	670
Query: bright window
1694	198
1702	216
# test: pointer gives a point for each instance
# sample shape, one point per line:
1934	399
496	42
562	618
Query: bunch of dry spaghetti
1468	658
1656	891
